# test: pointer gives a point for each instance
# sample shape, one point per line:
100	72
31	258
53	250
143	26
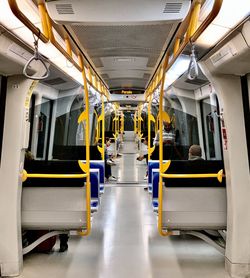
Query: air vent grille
146	76
64	9
105	76
172	8
197	81
55	81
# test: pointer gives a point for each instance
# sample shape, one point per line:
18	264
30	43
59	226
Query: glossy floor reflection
124	243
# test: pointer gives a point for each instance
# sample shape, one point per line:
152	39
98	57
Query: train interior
100	106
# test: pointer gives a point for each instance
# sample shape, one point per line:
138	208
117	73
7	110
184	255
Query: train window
3	87
31	120
183	120
68	132
128	121
43	128
211	128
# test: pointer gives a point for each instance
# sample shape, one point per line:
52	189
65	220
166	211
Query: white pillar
228	88
11	258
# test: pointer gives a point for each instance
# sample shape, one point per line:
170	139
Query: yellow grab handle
218	175
165	117
100	149
25	175
82	117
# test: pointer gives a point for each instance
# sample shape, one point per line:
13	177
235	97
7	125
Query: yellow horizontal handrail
26	175
218	175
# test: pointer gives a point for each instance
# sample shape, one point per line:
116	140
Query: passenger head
167	126
145	140
107	141
28	155
194	151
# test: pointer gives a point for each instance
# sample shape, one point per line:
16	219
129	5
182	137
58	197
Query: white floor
124	243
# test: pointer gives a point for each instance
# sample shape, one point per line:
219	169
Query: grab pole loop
37	57
193	65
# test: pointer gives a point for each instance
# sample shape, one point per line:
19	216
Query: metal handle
193	66
36	57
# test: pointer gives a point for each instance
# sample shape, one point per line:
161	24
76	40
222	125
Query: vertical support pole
68	47
194	19
103	127
149	126
161	232
135	126
176	46
86	93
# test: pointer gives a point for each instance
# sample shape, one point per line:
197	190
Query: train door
211	128
128	121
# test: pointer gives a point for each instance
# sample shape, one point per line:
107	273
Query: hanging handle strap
193	65
36	57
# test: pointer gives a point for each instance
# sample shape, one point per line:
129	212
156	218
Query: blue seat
95	188
152	164
155	188
99	164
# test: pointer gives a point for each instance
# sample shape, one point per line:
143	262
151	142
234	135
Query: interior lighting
177	69
124	59
231	13
48	50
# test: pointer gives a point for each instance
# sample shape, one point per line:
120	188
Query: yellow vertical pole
86	93
194	19
139	120
163	233
115	121
90	76
149	126
103	127
122	123
118	123
68	47
176	45
135	127
42	13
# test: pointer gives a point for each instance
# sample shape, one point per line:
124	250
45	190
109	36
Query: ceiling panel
141	46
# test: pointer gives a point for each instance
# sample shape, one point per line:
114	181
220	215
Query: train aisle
129	170
124	243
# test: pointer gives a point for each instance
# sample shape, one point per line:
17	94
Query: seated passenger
145	154
195	153
108	162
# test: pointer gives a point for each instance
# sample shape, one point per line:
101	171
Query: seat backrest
177	152
155	183
98	164
152	165
95	183
194	167
53	167
75	152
